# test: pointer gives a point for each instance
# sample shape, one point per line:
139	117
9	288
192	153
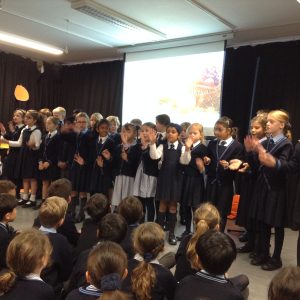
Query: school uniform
165	283
61	260
220	188
7	233
205	286
12	162
89	292
101	177
28	157
125	172
49	152
32	287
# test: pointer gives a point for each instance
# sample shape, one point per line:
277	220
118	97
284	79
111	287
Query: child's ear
69	199
87	277
125	274
61	221
217	227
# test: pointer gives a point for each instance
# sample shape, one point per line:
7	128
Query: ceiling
87	39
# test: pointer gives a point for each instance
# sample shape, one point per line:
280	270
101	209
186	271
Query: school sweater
6	235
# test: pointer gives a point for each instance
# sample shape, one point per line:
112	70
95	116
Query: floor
259	279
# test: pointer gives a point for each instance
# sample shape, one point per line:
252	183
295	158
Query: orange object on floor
234	207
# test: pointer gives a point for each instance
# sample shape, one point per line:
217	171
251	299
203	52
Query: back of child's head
113	227
7	187
107	267
205	217
148	242
27	252
163	119
137	122
97	206
52	211
285	285
131	209
60	188
7	204
216	252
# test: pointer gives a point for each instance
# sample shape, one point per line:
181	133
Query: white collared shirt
47	230
52	134
104	138
35	137
227	142
33	276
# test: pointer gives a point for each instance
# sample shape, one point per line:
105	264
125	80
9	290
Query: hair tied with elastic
111	282
148	257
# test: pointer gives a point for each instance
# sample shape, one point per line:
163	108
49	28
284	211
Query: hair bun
111	282
148	257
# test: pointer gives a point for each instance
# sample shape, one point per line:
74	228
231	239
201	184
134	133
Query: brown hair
37	117
22	112
97	206
285	284
131	209
52	210
205	217
46	112
7	204
6	186
61	188
54	120
148	241
26	252
107	261
261	120
185	125
283	117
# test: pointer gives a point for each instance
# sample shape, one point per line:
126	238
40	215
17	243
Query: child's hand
41	166
244	168
2	128
200	164
31	144
206	160
62	165
124	155
79	159
46	165
188	143
235	164
99	161
224	164
124	137
3	140
152	136
106	154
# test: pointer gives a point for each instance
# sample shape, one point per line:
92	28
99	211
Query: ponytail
110	285
7	281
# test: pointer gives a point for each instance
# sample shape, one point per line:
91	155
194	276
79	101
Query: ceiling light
103	13
27	43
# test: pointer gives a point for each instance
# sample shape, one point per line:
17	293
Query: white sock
25	196
32	198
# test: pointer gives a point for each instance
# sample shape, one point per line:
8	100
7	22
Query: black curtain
96	87
44	89
276	85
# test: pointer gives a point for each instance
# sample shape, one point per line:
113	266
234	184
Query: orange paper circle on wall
21	93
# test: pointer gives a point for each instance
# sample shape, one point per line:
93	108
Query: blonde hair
113	119
206	217
60	110
283	117
148	241
201	130
52	210
28	251
82	115
97	116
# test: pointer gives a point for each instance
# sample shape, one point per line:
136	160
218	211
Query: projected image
188	88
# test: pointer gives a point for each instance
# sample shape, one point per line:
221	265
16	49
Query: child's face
81	123
92	121
145	131
29	120
58	115
17	118
194	134
129	132
183	134
103	130
172	135
257	130
113	127
274	127
160	127
221	132
50	126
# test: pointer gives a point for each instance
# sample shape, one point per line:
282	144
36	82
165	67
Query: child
60	113
27	255
79	169
7	187
183	134
29	141
146	176
97	206
162	122
51	215
193	181
114	124
8	213
147	279
113	227
49	152
102	150
95	118
132	210
106	268
169	181
138	124
219	177
216	252
12	162
268	205
205	217
127	157
285	284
